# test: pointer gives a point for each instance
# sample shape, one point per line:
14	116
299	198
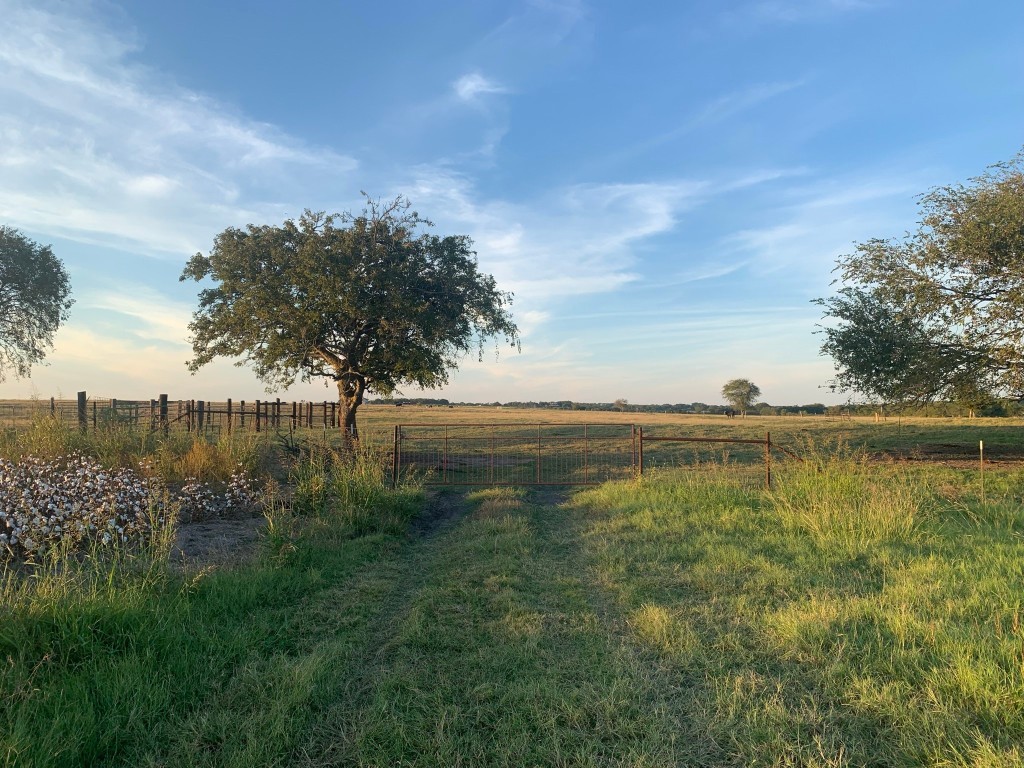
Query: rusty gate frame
586	437
636	437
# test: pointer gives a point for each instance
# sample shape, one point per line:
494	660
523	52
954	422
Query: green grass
856	615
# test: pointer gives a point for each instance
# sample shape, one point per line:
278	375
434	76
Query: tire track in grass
492	650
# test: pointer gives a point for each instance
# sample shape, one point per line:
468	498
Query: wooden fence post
257	415
229	416
200	415
241	413
83	419
163	413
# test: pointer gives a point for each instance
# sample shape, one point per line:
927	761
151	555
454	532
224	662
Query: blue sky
664	185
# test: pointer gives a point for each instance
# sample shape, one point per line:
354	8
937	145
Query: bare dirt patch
217	542
442	509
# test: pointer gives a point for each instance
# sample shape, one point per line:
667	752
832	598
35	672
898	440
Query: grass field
863	612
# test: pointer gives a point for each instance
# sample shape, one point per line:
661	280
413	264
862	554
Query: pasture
866	610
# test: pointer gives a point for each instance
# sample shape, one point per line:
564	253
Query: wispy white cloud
98	149
144	312
817	221
719	110
575	240
799	11
471	86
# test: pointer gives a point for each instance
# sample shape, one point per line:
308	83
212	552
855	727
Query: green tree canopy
940	312
741	394
34	300
370	301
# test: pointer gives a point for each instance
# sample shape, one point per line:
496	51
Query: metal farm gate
562	454
515	454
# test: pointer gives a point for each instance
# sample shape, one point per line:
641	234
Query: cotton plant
72	500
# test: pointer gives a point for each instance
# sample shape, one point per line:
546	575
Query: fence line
165	414
541	454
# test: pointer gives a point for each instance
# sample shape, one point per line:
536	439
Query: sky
664	186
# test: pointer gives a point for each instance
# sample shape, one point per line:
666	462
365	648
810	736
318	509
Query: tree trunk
350	396
347	417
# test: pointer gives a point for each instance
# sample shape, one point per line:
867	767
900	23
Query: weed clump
842	501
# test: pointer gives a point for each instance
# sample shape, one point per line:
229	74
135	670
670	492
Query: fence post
586	456
241	414
640	450
230	416
538	454
83	418
257	415
295	415
94	414
200	415
768	460
163	413
309	414
334	421
277	413
53	407
395	458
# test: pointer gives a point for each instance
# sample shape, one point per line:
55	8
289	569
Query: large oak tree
939	313
34	300
369	301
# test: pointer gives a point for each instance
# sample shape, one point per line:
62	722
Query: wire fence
563	454
162	413
514	454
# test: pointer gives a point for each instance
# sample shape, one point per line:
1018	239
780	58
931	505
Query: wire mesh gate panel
515	454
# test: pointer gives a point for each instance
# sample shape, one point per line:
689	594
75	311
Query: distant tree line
935	408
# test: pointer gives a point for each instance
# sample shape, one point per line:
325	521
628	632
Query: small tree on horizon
741	394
